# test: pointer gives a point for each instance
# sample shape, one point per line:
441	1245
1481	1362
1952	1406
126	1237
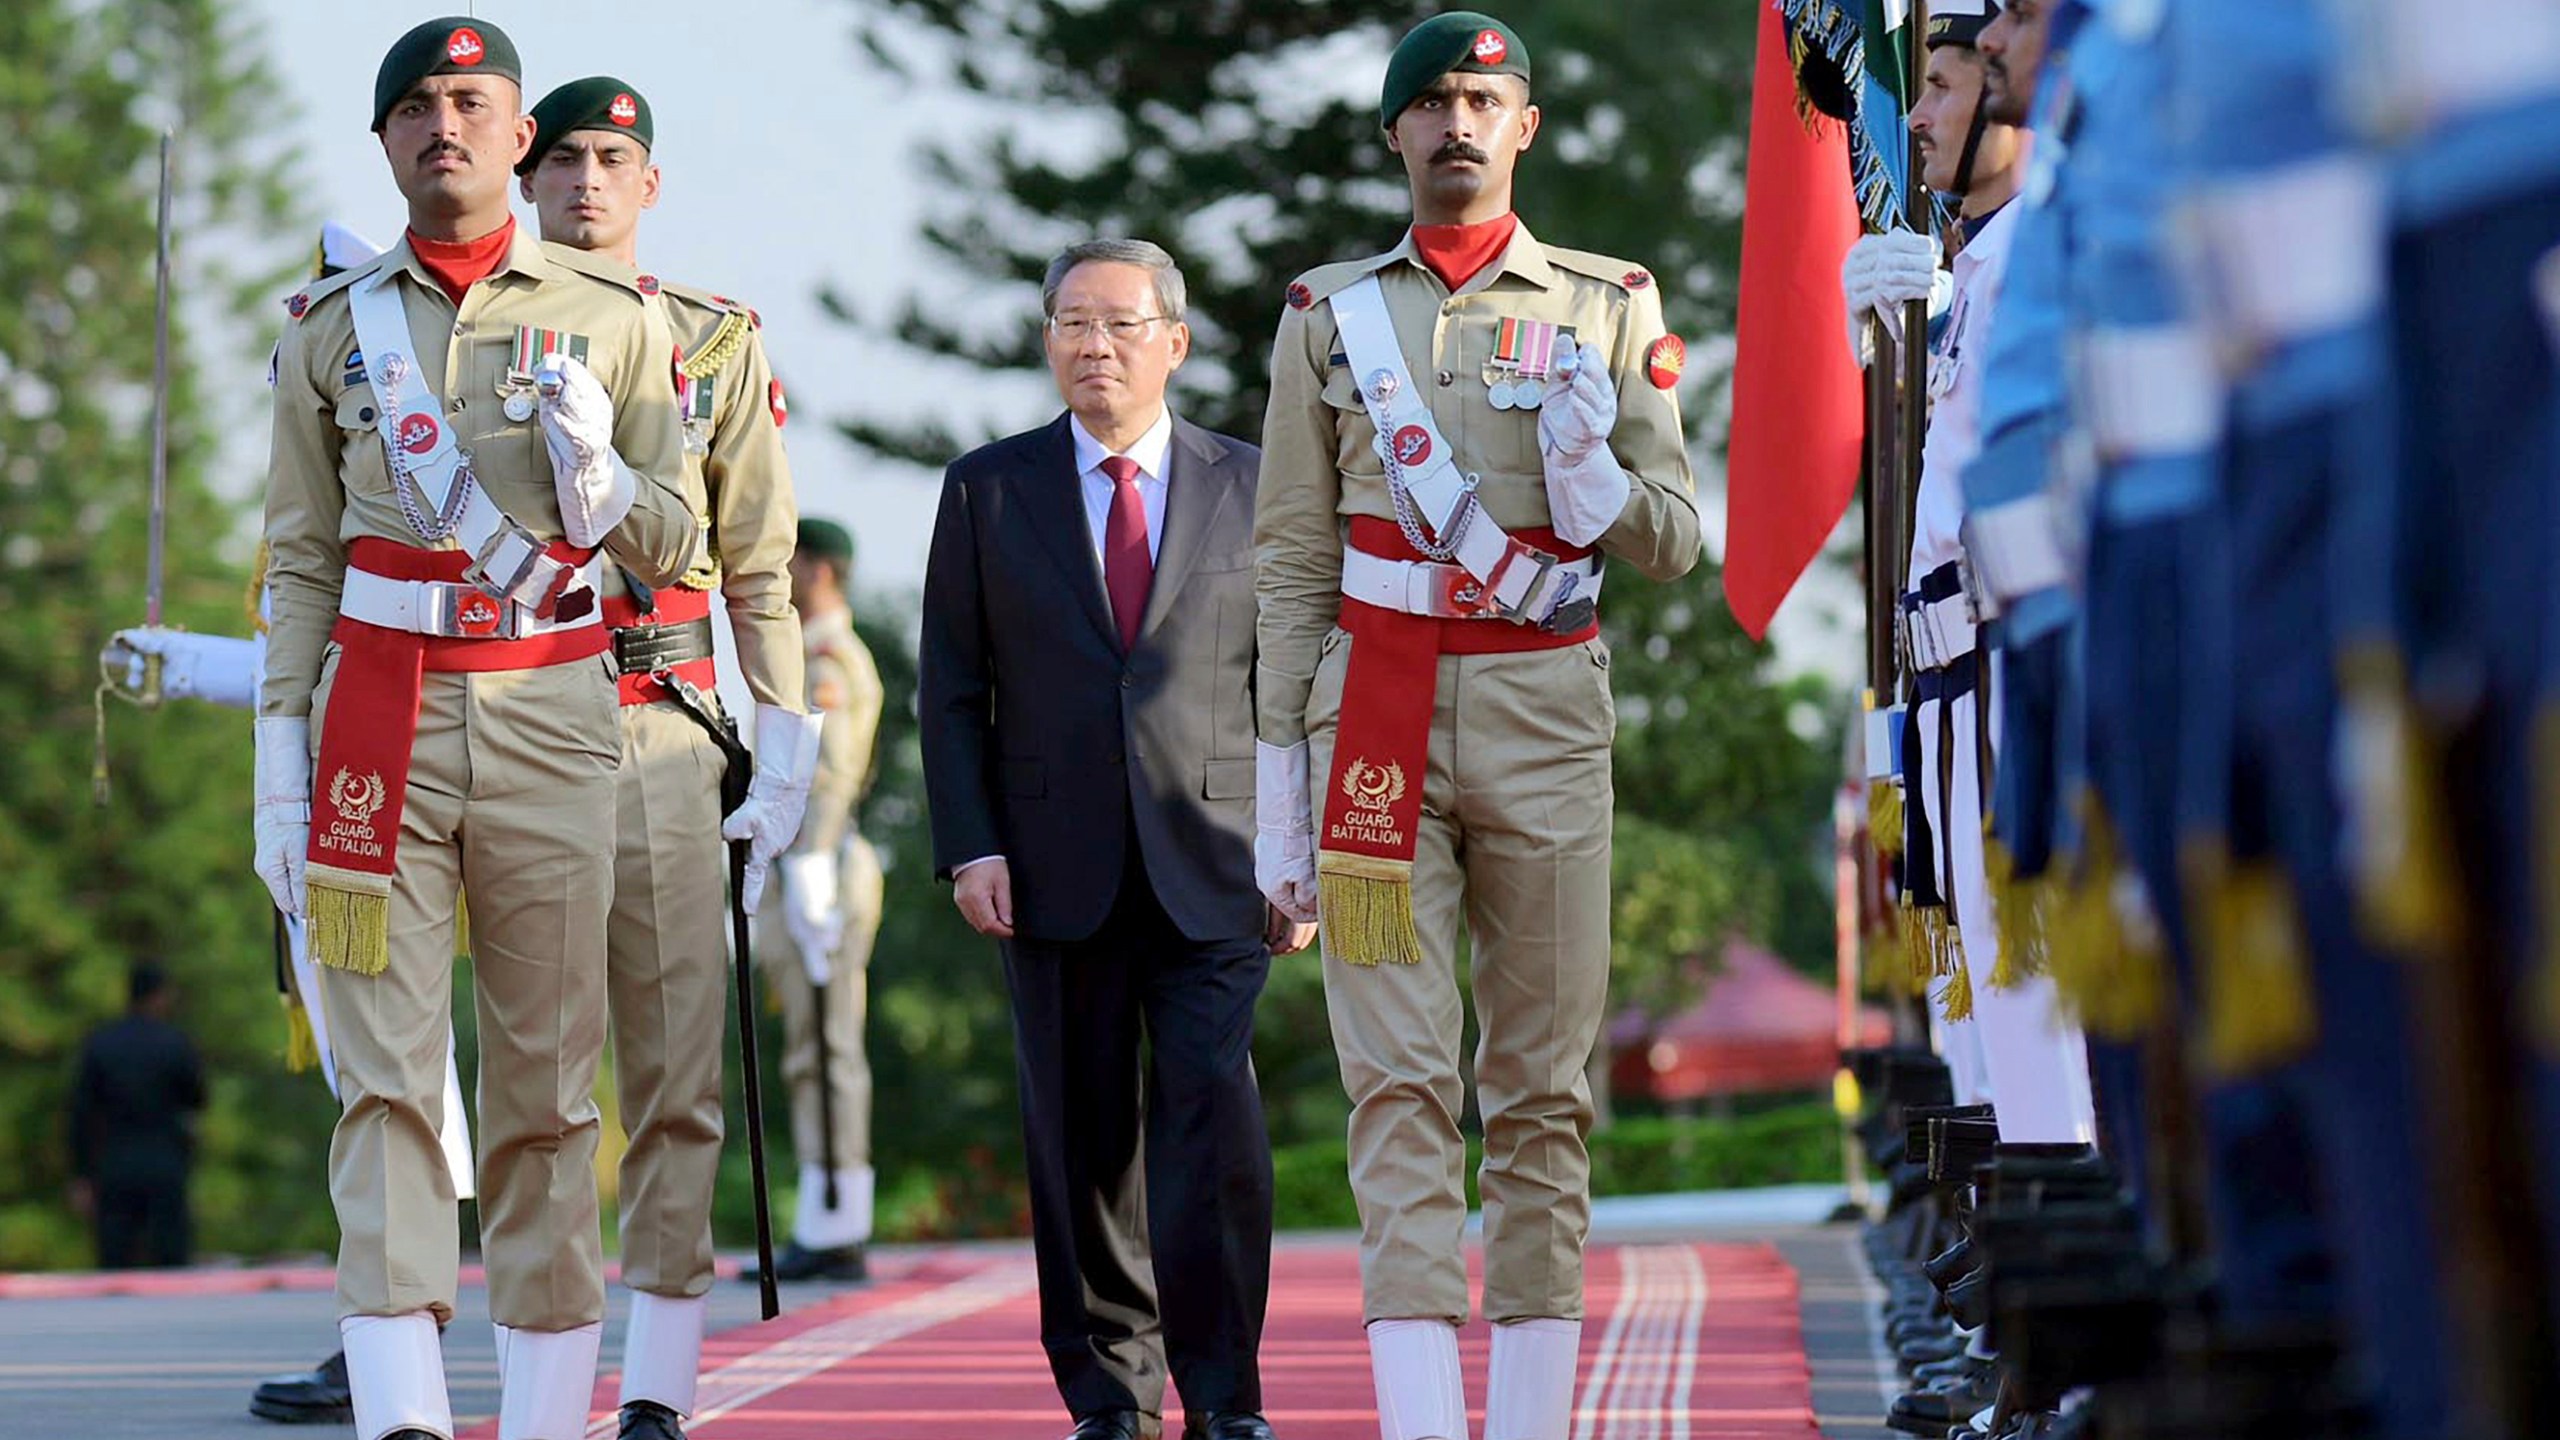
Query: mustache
1460	150
443	147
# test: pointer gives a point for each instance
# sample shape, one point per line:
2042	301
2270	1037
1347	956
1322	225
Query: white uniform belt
1450	592
2296	251
1941	632
2017	548
2149	390
454	609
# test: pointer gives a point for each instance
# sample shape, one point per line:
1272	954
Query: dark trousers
142	1224
1148	1161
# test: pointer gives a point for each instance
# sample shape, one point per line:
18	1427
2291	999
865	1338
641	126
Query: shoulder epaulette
1323	281
300	301
613	272
1608	269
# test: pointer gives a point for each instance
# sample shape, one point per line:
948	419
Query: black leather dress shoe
844	1264
649	1420
1226	1425
313	1397
1117	1425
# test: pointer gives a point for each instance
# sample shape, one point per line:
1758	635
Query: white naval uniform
2019	1052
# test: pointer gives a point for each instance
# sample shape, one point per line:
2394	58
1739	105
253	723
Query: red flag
1798	403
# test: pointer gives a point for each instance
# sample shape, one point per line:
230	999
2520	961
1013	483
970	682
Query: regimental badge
1374	788
464	47
1383	385
1636	280
1412	445
417	432
296	303
1300	297
358	799
1489	48
1524	355
1664	359
647	284
623	110
781	407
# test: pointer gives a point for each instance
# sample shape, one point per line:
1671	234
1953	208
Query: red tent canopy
1761	1027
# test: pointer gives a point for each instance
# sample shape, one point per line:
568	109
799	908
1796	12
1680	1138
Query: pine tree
163	870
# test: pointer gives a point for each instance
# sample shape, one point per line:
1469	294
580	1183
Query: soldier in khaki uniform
818	927
1432	686
440	500
590	174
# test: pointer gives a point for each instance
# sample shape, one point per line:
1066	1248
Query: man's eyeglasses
1122	329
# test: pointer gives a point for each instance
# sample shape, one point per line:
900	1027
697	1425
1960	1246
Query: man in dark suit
1087	713
133	1112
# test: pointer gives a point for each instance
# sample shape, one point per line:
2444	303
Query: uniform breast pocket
360	438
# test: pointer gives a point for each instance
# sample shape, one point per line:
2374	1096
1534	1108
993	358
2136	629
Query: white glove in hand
786	756
596	489
219	668
811	911
1586	487
1284	839
282	812
1882	274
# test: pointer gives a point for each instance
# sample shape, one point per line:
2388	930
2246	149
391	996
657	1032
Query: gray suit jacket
1043	741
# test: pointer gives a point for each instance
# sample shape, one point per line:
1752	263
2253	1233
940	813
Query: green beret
454	45
1460	40
598	102
826	540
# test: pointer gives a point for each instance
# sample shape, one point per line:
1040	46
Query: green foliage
164	869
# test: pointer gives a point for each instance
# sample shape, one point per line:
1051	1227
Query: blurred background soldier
133	1110
817	929
590	175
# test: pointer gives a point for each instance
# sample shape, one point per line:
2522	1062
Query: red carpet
1683	1342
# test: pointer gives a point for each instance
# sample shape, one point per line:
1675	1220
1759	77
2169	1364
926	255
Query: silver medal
1498	394
518	405
1530	394
695	442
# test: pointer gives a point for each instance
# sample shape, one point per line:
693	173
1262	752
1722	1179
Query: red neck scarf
458	264
1456	253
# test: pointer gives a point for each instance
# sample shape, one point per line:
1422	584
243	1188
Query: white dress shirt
1149	451
1955	377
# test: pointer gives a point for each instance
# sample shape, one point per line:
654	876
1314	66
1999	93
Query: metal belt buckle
1454	594
505	586
465	613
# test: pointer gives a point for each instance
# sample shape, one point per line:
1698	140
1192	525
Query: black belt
640	649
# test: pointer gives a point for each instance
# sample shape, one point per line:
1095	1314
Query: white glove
282	812
1586	487
596	488
786	757
1882	274
812	912
1284	831
219	668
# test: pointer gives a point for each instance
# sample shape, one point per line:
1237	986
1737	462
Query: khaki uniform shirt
328	482
737	482
1320	464
844	685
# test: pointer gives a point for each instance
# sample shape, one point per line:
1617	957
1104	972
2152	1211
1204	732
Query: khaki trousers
847	1002
1514	842
510	794
666	970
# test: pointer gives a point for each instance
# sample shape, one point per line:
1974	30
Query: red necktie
1128	572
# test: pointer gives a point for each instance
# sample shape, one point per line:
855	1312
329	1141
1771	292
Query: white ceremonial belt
2149	390
1941	631
2017	548
2296	251
452	609
1451	592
